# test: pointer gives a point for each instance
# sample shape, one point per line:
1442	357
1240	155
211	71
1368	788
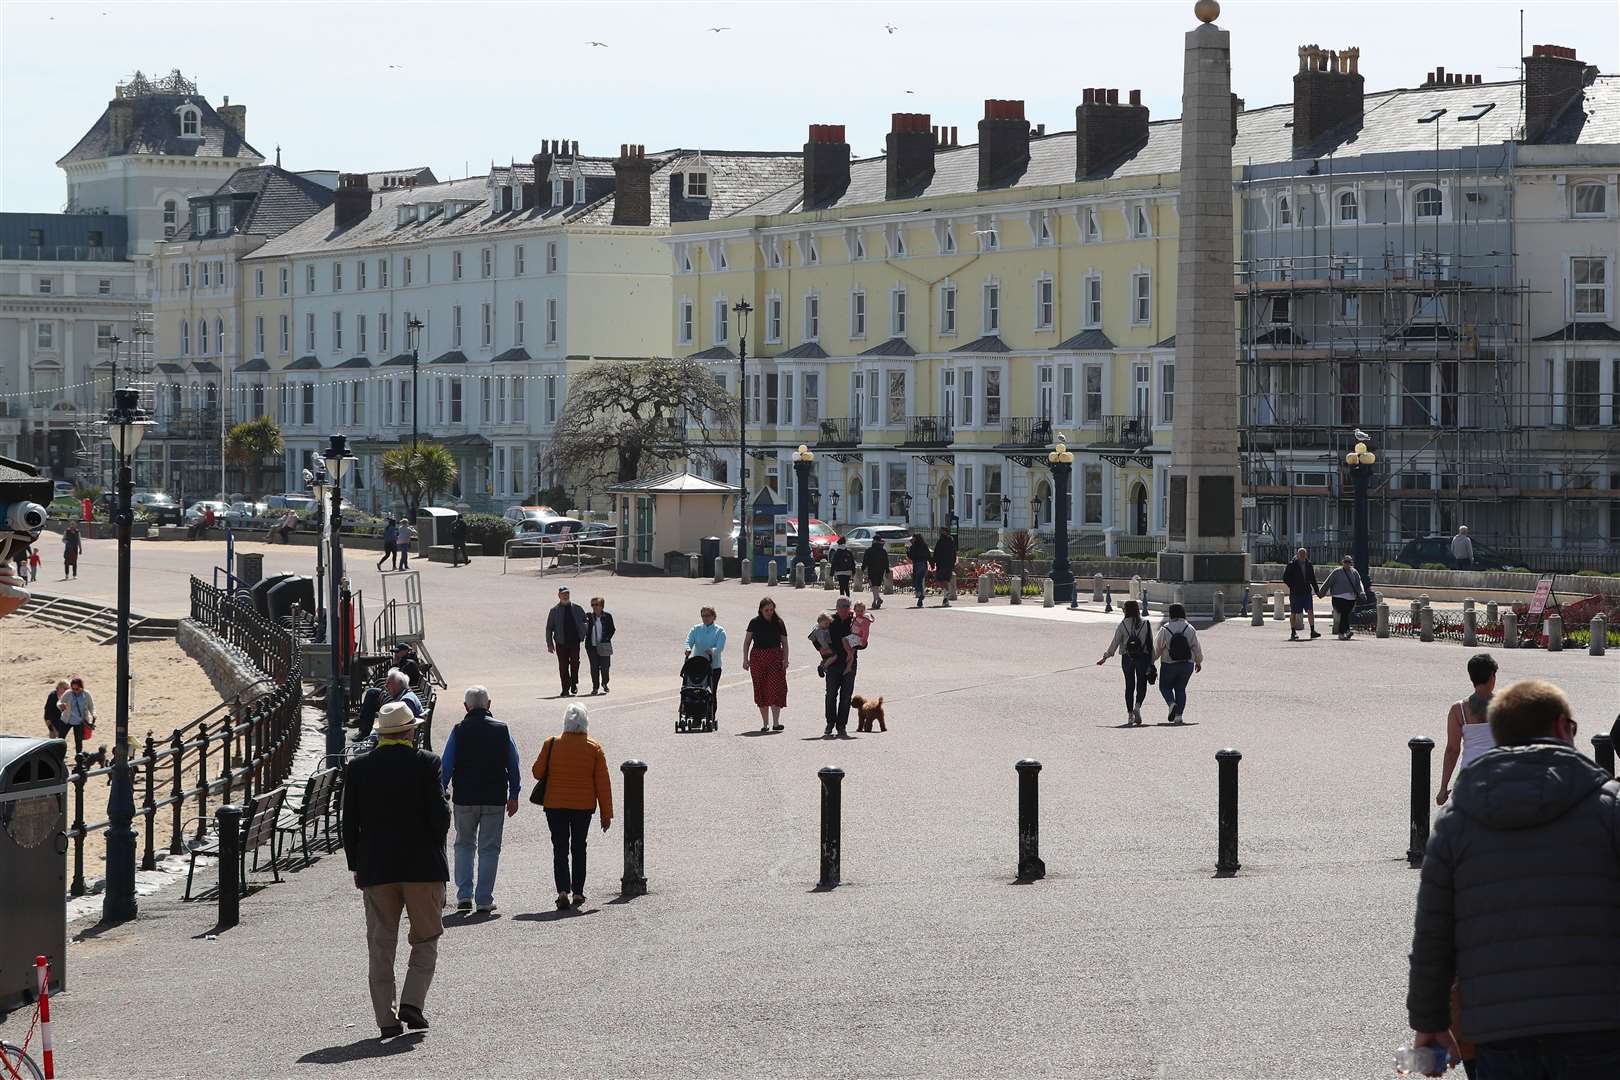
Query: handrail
579	542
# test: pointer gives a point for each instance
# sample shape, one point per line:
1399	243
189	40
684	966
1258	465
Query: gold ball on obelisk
1207	10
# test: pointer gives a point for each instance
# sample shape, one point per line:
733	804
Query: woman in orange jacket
575	773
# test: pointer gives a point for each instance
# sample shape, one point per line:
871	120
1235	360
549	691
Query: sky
366	86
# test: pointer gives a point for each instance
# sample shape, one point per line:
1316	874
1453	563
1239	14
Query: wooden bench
259	819
312	812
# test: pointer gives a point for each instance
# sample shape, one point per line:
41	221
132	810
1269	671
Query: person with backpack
919	555
875	563
1133	640
1179	655
1346	588
843	565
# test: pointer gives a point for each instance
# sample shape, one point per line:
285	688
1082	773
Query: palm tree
248	444
419	474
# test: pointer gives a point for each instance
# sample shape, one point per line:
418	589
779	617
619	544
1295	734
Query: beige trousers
423	903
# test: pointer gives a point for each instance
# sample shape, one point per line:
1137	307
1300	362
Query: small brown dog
870	712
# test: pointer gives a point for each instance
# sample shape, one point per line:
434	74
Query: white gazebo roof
676	482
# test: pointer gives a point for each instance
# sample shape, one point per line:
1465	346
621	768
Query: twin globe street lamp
126	426
338	461
803	462
1361	460
1061	462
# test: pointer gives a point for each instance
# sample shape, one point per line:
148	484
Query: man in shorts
1300	577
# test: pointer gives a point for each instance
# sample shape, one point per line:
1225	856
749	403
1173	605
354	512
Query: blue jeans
1578	1055
478	828
1173	683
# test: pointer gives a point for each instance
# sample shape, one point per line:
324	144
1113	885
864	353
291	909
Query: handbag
604	649
1152	674
537	794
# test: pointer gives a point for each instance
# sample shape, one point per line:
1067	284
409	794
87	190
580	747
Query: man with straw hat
395	820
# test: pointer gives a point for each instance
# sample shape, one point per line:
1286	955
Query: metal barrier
601	548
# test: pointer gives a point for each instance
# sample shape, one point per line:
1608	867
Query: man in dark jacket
395	821
840	672
843	565
875	564
1517	903
1300	577
458	541
919	555
945	564
565	629
481	770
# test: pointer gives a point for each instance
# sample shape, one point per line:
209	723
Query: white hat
395	718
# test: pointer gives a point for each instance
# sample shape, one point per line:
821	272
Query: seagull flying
890	27
911	91
395	67
597	44
718	29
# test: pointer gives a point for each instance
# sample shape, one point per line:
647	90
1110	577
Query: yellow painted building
930	321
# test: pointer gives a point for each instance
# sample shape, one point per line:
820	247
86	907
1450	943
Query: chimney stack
826	166
632	186
352	201
1237	111
120	122
1106	131
234	117
909	164
1003	143
1328	91
1553	77
1441	77
542	174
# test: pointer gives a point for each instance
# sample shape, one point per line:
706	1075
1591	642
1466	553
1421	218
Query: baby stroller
697	698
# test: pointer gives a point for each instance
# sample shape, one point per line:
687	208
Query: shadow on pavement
468	918
362	1049
554	915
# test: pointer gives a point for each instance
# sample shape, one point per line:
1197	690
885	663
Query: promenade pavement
1131	960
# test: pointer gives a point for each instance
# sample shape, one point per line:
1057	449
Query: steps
67	614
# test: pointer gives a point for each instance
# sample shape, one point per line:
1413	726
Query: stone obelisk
1205	550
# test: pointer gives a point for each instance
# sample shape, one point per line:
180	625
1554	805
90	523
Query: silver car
895	538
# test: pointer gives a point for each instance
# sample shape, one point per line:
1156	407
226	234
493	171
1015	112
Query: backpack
1180	650
1133	641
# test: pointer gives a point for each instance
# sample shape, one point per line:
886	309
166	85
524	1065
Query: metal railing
235	757
1031	431
838	431
595	550
1130	431
931	431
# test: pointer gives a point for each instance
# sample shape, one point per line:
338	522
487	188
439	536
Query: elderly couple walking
397	809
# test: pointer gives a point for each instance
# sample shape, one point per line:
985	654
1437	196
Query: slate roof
355	362
1167	343
895	346
1389	124
810	350
1583	331
205	367
280	200
380	181
305	363
990	343
454	356
717	352
258	363
517	354
170	368
397	360
737	180
1085	341
155	129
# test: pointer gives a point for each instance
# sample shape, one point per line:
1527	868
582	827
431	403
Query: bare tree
623	415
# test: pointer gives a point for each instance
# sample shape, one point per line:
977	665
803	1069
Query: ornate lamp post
803	462
413	329
338	460
1361	461
1061	462
126	425
742	308
835	511
320	486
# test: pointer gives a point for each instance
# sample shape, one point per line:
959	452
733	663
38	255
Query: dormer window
697	185
224	217
556	193
202	221
190	122
579	192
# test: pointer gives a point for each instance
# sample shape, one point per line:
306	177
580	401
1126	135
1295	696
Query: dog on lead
870	712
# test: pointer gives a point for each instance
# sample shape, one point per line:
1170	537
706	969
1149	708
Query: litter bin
249	568
292	590
261	592
33	864
708	552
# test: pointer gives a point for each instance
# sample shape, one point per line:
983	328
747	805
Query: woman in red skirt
765	655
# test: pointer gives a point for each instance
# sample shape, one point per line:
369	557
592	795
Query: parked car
196	509
289	501
551	530
822	537
1437	549
517	514
896	538
244	513
62	488
159	506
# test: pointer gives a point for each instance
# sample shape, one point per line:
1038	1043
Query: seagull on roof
597	44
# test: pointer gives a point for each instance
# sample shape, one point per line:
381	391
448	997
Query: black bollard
228	820
1603	751
1226	859
1108	600
832	785
1422	749
634	882
1030	866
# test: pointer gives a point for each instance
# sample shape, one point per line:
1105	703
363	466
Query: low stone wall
233	676
1482	580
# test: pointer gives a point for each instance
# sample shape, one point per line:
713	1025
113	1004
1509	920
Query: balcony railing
1029	431
928	432
838	431
1127	431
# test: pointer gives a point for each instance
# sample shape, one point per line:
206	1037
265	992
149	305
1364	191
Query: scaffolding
1420	348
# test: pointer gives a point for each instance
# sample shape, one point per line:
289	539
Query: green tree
248	444
419	475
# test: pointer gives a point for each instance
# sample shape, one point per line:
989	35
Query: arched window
1349	211
1285	210
202	337
219	336
1590	200
190	121
1427	203
185	338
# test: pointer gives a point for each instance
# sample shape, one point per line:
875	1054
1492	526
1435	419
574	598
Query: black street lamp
1361	461
338	460
905	505
803	462
413	330
742	308
320	486
126	425
1061	462
835	510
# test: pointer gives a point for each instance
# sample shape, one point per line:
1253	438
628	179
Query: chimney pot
1136	97
1328	94
1086	96
1113	97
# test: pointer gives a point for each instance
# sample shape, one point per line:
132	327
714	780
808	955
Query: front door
1139	510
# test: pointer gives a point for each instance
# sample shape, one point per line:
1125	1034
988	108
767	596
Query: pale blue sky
478	81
